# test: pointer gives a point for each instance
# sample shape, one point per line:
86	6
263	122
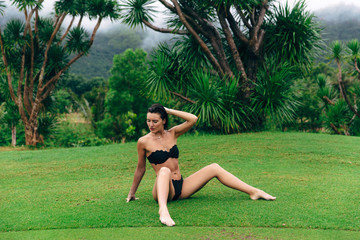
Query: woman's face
154	122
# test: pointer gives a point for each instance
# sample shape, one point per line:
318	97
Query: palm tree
229	42
338	56
45	52
233	34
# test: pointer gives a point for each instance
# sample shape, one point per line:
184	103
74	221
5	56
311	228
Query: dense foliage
125	108
218	66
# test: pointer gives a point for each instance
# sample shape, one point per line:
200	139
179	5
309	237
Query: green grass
80	193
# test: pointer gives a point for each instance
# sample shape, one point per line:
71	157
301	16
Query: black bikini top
161	156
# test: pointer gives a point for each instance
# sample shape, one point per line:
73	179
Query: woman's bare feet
259	194
165	218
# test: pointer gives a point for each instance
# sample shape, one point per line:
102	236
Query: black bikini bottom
178	187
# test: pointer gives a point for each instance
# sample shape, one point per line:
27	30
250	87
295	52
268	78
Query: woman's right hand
131	197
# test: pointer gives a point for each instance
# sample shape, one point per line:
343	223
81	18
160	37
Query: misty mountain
111	42
340	22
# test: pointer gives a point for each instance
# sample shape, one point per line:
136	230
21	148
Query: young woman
159	146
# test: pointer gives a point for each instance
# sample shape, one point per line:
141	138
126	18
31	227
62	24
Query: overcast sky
313	5
319	4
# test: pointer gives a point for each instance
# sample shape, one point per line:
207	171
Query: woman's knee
215	166
164	171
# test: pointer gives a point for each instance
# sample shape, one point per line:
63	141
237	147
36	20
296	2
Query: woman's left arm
190	120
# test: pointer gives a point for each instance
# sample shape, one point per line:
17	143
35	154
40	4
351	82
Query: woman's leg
196	181
162	192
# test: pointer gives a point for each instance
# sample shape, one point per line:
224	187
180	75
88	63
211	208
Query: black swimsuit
161	156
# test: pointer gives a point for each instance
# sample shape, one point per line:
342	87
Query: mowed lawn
79	193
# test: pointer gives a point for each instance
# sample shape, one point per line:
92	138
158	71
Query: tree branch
202	44
346	130
343	90
340	78
214	38
57	76
229	38
29	79
48	45
26	94
260	41
328	100
36	27
164	30
356	66
183	97
236	30
252	17
168	5
260	21
67	31
335	129
95	31
46	87
243	18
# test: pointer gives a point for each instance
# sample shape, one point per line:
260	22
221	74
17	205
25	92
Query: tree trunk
31	134
13	135
252	69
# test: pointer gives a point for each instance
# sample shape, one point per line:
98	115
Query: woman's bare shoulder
142	141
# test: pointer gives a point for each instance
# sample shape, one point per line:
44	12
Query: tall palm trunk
13	135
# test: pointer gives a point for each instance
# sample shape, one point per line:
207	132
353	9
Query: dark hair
158	108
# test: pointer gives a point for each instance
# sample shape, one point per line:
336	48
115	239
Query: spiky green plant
294	36
326	93
273	96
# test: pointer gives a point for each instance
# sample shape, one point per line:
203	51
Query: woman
159	146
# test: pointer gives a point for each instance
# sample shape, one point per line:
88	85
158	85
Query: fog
325	10
339	13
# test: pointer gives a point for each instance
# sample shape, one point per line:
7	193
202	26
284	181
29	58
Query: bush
75	135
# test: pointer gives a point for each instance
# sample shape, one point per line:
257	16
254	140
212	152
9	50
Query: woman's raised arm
190	120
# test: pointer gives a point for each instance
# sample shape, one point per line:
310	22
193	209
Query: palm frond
78	40
294	35
23	4
67	6
338	114
354	46
337	50
57	59
209	106
159	84
47	123
2	7
273	94
46	29
135	11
